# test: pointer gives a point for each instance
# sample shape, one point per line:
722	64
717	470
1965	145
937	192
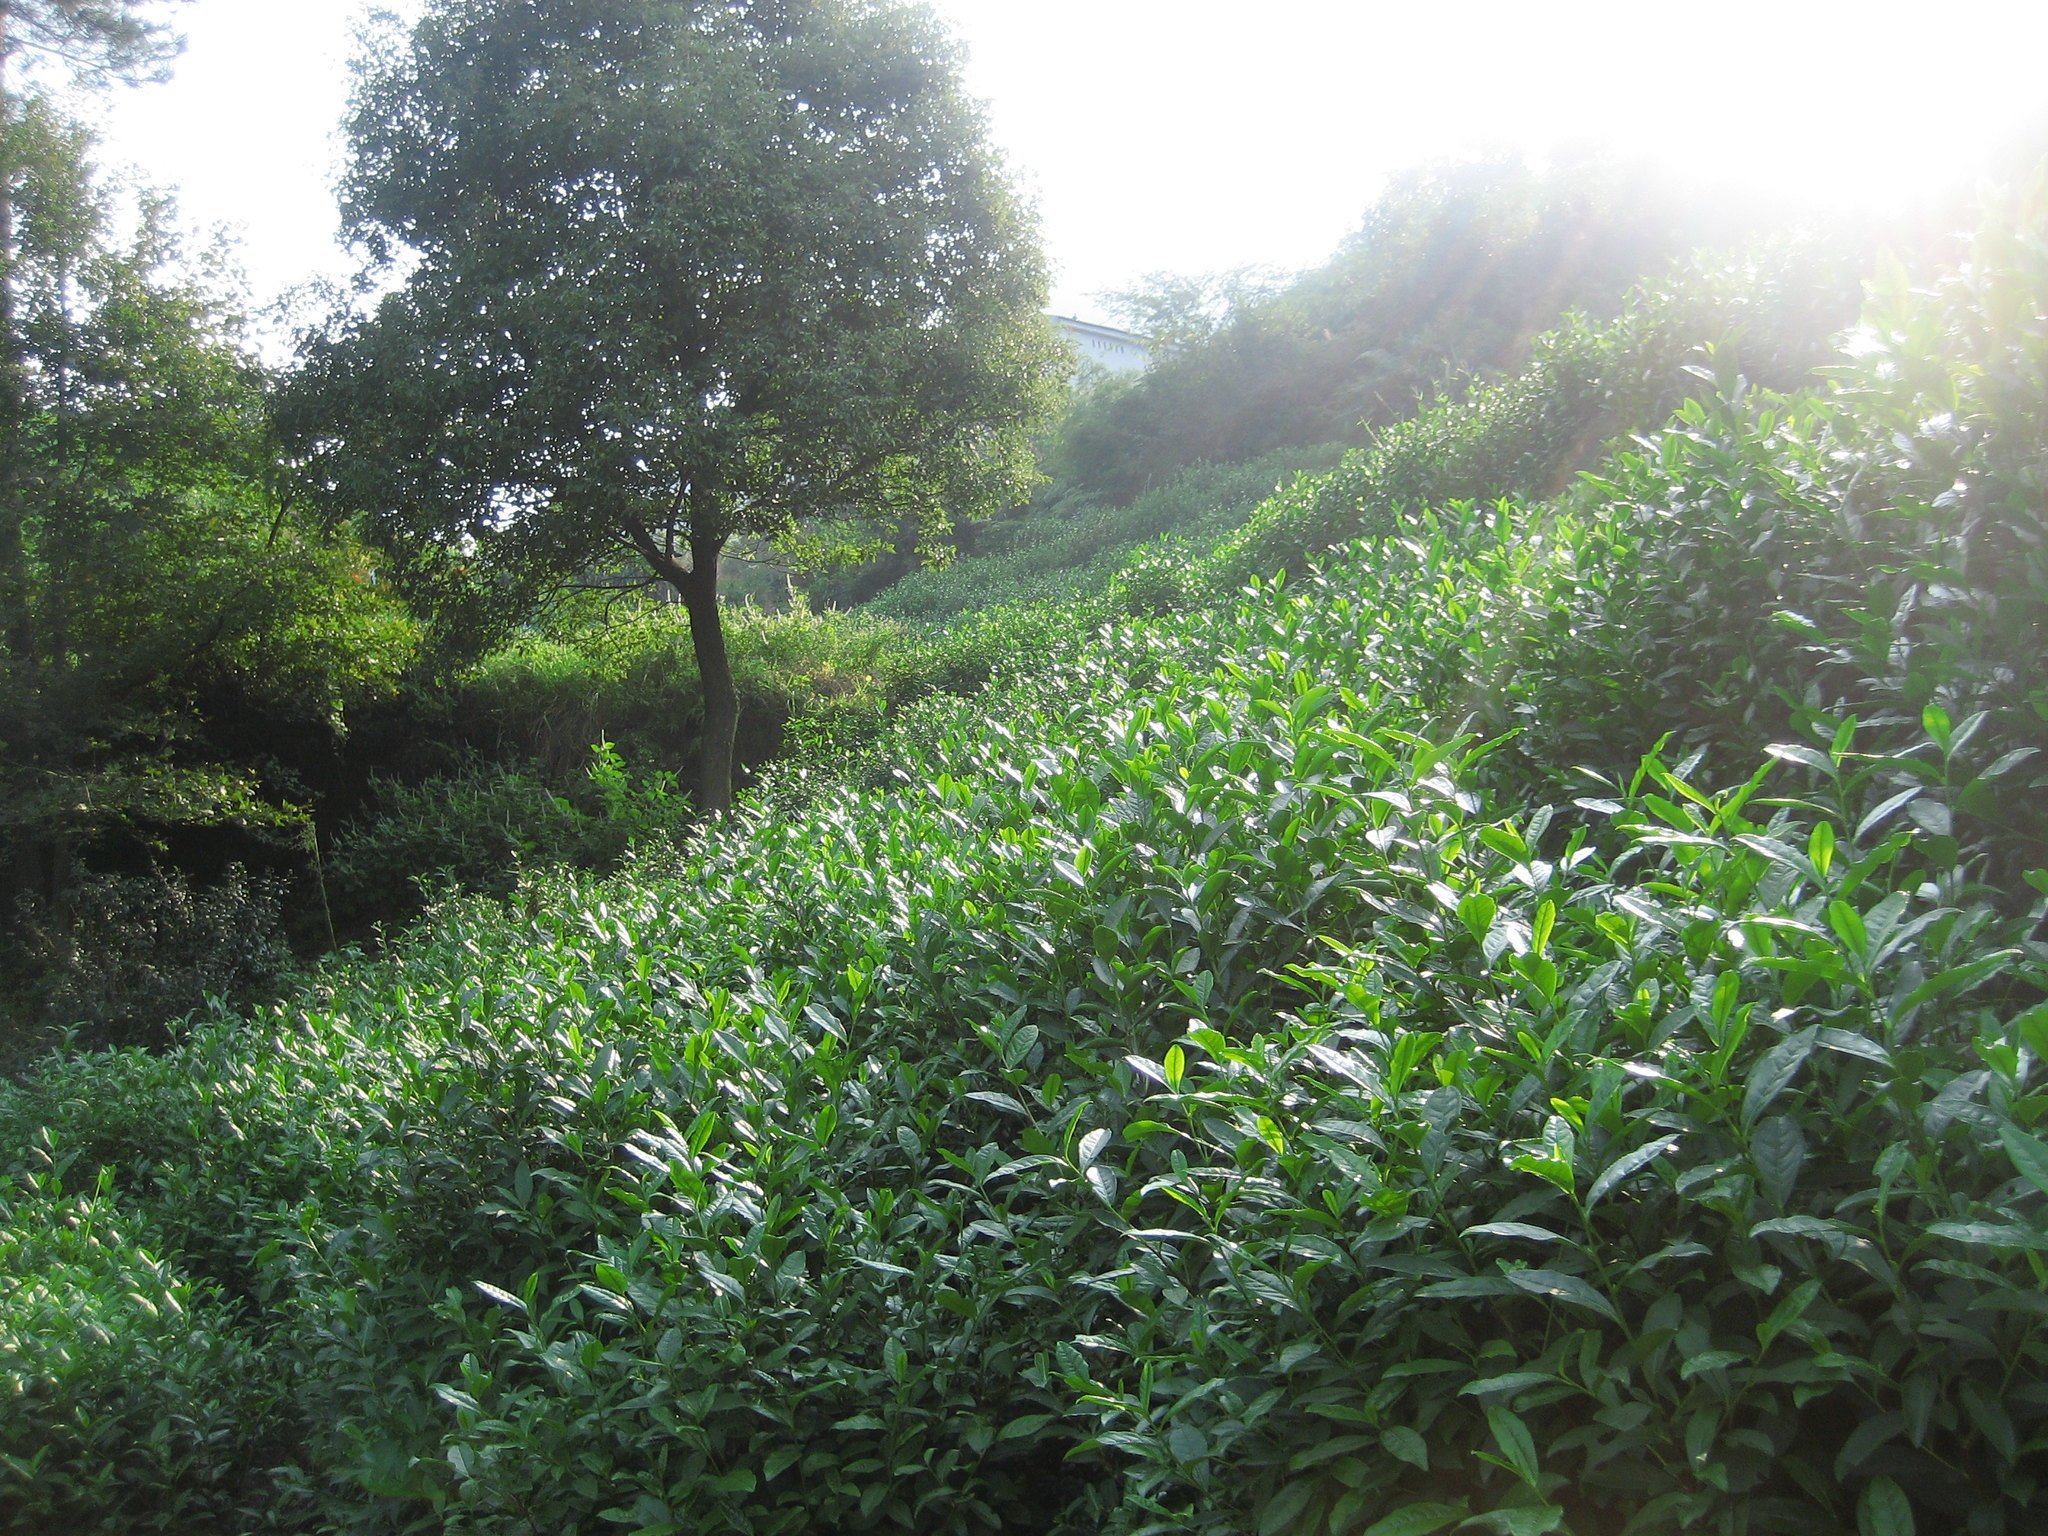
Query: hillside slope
1534	1026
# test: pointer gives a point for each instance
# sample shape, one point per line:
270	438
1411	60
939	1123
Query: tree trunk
907	556
698	588
14	630
699	592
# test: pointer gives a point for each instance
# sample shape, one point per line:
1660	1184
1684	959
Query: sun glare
1197	136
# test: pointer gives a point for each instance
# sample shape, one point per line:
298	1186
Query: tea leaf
1883	1509
1563	1287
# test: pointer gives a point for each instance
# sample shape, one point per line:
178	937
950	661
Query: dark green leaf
1404	1444
1517	1445
1285	1508
1778	1148
2028	1155
1628	1163
1415	1520
1774	1072
1883	1510
1514	1229
1563	1287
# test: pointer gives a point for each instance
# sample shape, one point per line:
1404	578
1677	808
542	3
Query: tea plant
135	1400
1585	383
1073	548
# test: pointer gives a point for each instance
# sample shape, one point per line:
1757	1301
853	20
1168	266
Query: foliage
482	827
1772	566
489	771
1161	1108
1448	277
1173	310
159	607
129	954
1774	314
675	272
624	671
98	40
1071	546
1228	1082
156	599
135	1402
1769	317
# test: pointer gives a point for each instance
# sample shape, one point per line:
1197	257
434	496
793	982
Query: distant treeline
1448	278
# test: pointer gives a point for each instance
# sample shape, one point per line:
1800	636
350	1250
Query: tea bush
504	782
1071	549
1291	1116
1584	384
1770	566
135	1402
1447	277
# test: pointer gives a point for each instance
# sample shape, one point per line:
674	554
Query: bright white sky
1199	135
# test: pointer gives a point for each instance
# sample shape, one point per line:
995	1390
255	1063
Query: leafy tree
673	272
146	572
98	40
1174	310
155	575
1450	274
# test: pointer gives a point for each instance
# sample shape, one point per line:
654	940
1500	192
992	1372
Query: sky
1196	136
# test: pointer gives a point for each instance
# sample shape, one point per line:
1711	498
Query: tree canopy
150	571
1449	275
100	39
671	272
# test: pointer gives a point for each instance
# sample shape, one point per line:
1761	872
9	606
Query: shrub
1156	581
623	670
1450	274
1224	1083
1771	567
1286	1129
135	1399
1585	384
1068	548
482	829
129	955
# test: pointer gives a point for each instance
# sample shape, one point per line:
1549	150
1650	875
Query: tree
673	271
98	40
171	633
156	574
1174	310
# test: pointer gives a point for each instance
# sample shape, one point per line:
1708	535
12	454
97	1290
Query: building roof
1095	328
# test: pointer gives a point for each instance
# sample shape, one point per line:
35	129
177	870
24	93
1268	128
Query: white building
1102	346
